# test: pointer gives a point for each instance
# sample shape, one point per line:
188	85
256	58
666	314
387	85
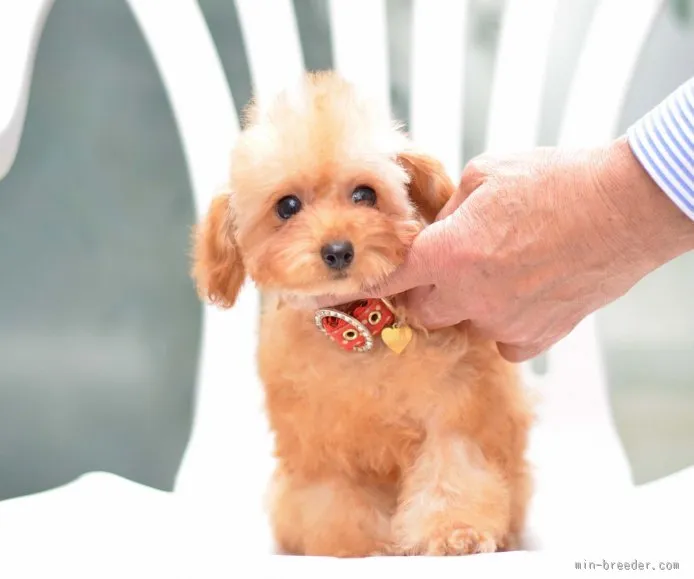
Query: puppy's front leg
332	517
453	501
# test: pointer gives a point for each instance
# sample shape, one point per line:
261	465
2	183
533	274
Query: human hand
531	244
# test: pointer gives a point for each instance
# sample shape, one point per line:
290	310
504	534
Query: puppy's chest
329	405
294	352
333	388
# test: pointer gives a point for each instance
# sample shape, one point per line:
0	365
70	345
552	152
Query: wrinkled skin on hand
530	244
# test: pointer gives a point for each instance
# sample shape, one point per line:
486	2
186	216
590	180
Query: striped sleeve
663	142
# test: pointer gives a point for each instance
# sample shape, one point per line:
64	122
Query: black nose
337	254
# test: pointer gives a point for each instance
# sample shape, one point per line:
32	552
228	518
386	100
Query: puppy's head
325	197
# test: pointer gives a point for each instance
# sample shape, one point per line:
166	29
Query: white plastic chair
581	468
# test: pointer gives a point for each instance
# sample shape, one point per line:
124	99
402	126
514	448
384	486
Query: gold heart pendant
397	337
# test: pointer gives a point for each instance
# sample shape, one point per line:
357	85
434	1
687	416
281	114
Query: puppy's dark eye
288	206
364	195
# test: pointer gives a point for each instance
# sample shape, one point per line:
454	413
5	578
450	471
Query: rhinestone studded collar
354	326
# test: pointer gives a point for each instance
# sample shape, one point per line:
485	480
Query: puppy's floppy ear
430	187
218	269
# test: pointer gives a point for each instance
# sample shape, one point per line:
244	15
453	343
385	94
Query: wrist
644	217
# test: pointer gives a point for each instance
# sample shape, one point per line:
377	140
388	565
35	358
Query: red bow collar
354	325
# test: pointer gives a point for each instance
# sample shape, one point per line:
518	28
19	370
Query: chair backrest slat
604	70
439	30
228	396
360	45
197	88
519	78
271	37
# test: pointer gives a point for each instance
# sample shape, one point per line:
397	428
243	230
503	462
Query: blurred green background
99	323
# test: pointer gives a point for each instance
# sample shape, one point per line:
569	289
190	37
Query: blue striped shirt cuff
663	142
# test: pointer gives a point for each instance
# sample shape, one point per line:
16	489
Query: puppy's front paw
458	539
453	539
